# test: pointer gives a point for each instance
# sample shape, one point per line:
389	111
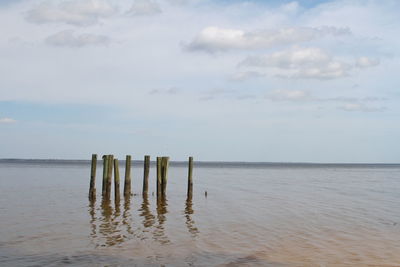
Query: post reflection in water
159	232
92	213
107	229
148	217
190	224
111	227
127	217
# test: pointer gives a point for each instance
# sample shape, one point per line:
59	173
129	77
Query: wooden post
158	176
146	169
164	172
109	176
105	174
127	184
92	188
190	178
116	181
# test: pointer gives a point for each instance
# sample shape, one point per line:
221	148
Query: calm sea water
253	215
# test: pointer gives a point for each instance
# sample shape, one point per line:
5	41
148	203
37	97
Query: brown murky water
285	215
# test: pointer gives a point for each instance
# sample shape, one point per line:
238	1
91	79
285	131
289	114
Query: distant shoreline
202	163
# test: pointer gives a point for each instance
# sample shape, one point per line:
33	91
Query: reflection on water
111	227
109	224
159	233
106	228
127	216
188	215
148	218
92	213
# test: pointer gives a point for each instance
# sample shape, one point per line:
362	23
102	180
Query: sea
240	214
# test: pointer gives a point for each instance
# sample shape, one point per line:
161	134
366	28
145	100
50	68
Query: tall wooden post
158	176
146	169
164	172
109	176
116	181
92	188
190	178
127	184
105	174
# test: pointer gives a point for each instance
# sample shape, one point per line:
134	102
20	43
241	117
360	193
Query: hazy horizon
184	161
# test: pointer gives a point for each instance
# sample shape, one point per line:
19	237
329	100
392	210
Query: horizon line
209	161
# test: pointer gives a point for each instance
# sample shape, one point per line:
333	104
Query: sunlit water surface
285	215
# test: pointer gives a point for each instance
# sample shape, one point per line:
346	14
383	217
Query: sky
274	81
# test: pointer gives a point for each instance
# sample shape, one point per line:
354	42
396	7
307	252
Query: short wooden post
164	172
146	169
158	176
116	181
190	178
92	188
127	184
109	176
105	174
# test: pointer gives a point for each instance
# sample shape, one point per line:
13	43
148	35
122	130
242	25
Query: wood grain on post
92	188
190	178
105	174
127	184
116	181
158	176
146	169
109	176
164	174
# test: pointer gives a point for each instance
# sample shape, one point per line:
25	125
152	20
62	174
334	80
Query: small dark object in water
205	193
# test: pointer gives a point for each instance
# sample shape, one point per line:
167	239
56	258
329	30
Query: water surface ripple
253	215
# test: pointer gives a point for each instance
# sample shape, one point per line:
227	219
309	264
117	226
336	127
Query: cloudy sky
231	80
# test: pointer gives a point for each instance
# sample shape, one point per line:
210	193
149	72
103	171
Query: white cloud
360	107
365	62
349	103
288	95
244	75
213	39
308	63
218	92
179	2
144	8
70	39
7	120
170	91
79	13
291	7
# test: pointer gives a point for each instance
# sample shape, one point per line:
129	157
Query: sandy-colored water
252	216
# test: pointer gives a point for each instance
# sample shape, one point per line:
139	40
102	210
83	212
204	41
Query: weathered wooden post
164	172
116	181
105	174
146	169
109	176
92	187
190	178
158	181
127	184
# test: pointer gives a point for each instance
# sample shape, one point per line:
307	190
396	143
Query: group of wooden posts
110	163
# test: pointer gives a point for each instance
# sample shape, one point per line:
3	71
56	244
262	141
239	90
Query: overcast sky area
276	81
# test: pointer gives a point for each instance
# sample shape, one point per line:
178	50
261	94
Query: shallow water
253	215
